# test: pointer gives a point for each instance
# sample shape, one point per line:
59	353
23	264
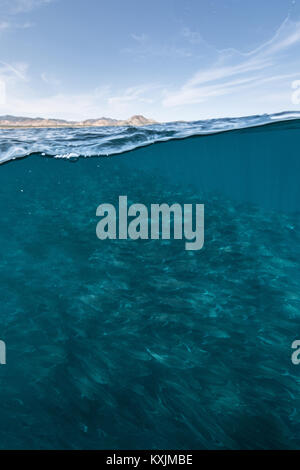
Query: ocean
141	344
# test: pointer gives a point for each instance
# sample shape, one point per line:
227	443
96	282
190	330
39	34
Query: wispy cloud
4	25
194	95
12	75
10	26
14	70
287	35
140	38
145	47
136	93
131	98
234	71
102	101
222	72
191	36
11	8
14	7
50	80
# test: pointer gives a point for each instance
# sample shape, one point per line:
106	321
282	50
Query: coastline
20	122
71	126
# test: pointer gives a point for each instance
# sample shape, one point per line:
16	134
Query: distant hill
19	121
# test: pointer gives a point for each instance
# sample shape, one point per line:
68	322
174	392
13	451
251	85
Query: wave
72	143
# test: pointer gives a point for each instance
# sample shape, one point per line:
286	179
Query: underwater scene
134	344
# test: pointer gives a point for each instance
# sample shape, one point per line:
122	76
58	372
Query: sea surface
138	344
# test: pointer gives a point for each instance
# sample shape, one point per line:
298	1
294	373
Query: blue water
142	344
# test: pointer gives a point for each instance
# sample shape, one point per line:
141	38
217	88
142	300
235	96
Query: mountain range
18	121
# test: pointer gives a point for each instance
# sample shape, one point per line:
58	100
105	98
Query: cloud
191	36
15	70
145	47
11	75
136	93
50	80
99	102
10	8
234	71
287	35
9	26
4	25
216	73
139	38
194	95
14	7
131	98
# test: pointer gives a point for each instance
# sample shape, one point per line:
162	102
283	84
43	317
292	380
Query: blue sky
165	59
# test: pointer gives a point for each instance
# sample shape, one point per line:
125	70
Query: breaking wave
104	141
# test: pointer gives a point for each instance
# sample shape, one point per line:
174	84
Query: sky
166	59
